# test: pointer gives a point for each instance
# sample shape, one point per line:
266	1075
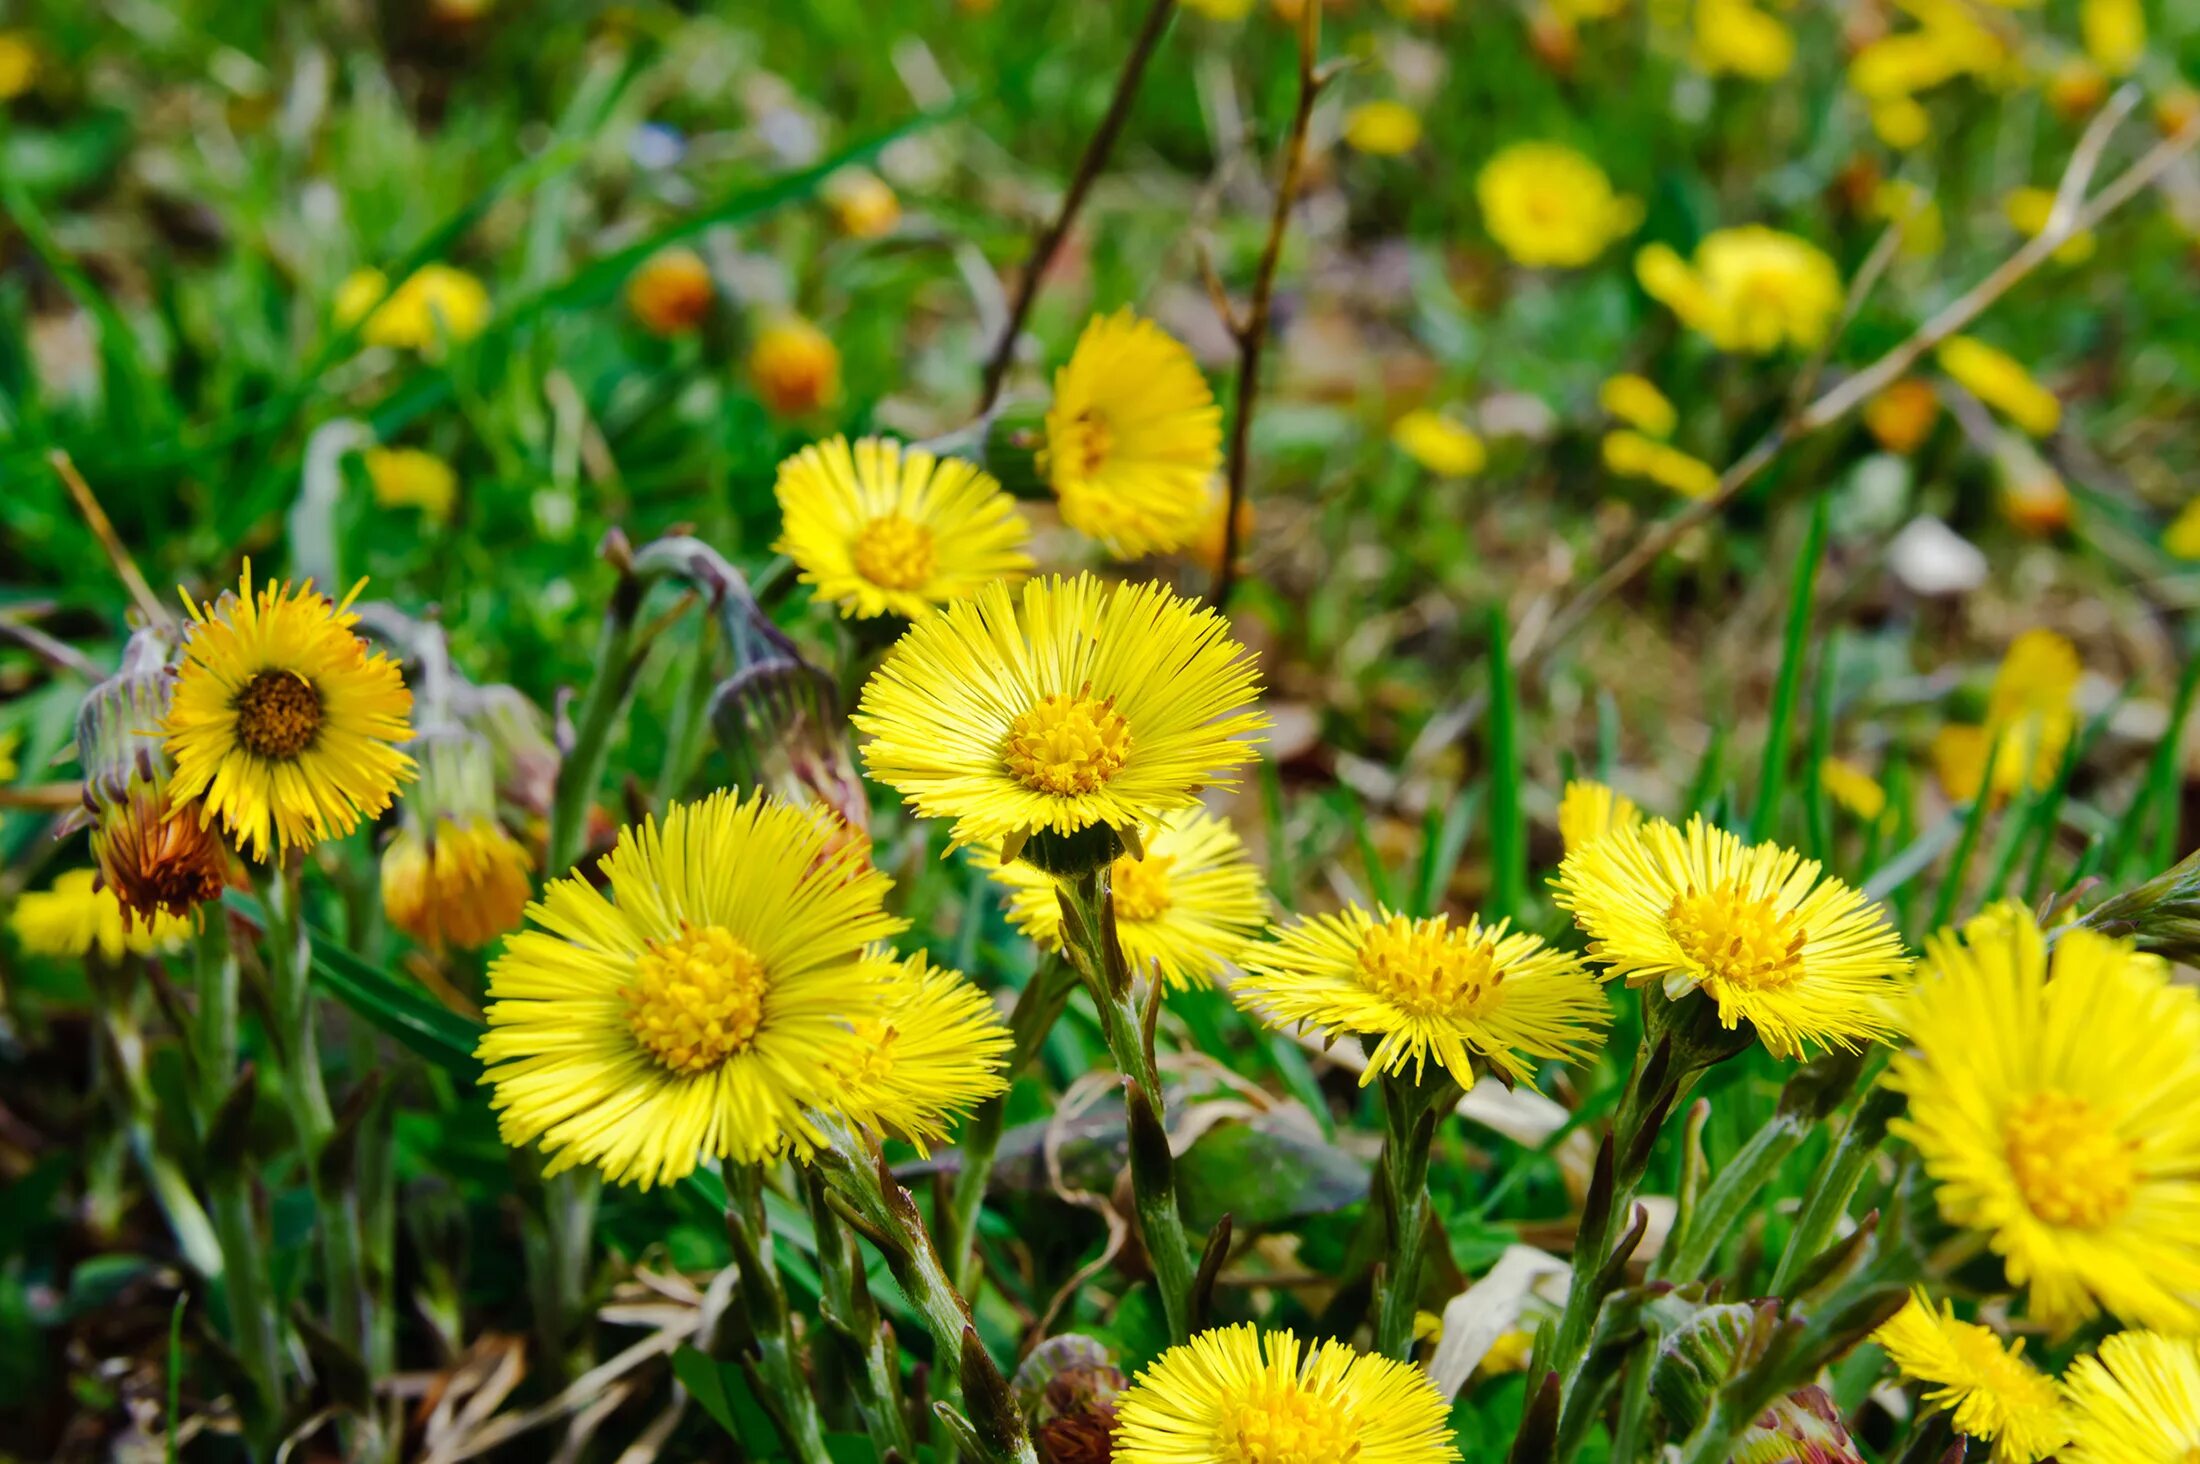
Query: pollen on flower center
876	1046
1744	940
278	715
1080	448
894	553
1068	744
1429	968
1278	1422
1141	886
2070	1166
696	1000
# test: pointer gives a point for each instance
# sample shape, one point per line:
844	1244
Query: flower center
1068	744
696	1000
894	553
1428	968
1082	447
278	715
1745	941
1141	886
1278	1422
2070	1166
875	1041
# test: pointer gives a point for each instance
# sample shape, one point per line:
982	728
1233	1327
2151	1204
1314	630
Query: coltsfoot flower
1633	455
437	305
1589	810
2031	715
1758	928
1190	906
1237	1395
1069	706
882	529
671	293
406	477
2056	1105
1383	129
1131	438
1439	443
1548	205
2136	1401
795	368
932	1048
78	915
1460	994
2000	380
1993	1392
283	726
702	1004
1751	289
1637	401
463	884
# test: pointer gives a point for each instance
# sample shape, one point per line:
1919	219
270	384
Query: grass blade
1508	895
1772	779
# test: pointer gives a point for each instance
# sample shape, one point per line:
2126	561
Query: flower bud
1067	1388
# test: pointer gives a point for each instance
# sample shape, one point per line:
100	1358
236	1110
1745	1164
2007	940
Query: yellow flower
1448	448
671	292
1546	204
436	305
18	64
1901	122
1902	416
461	883
1076	704
1632	455
1995	1394
2135	1402
1801	956
1427	988
1237	1395
1750	289
1132	436
1384	129
1924	231
934	1048
406	477
795	368
74	918
1636	401
2057	1108
700	1005
282	725
2028	210
2076	87
1221	9
1734	36
2182	537
10	740
1191	906
882	529
1587	811
2031	711
863	204
2115	34
1853	788
2033	496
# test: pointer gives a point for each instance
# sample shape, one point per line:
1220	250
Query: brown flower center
278	715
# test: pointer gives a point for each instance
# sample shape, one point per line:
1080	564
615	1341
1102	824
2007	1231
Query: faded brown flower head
159	860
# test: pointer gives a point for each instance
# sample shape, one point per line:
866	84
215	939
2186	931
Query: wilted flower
795	368
406	477
453	874
1750	289
1067	1389
671	292
1438	443
2034	497
1548	205
436	304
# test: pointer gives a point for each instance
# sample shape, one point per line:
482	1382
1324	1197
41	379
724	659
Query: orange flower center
1740	939
1141	886
894	553
2071	1167
1429	968
278	715
1068	744
1275	1421
697	999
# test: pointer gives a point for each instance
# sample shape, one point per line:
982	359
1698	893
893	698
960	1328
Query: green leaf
1772	778
1265	1174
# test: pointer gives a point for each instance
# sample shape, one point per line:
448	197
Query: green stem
1733	1190
1409	1126
1832	1187
1037	1007
853	1314
793	1407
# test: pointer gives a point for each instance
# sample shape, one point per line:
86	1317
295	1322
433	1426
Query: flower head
1999	380
1750	289
1901	417
1734	36
933	1046
2057	1107
863	204
1428	988
701	1004
1237	1395
1995	1394
671	293
2182	538
2136	1401
1632	455
18	64
1439	443
2115	33
453	874
1547	205
882	529
1853	788
1191	905
79	915
1637	401
1384	129
2031	715
283	726
1132	436
1588	810
2028	210
1071	705
795	368
1803	958
406	477
435	306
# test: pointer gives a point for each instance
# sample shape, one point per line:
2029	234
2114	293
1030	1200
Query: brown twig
1251	333
1847	395
118	554
1088	168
